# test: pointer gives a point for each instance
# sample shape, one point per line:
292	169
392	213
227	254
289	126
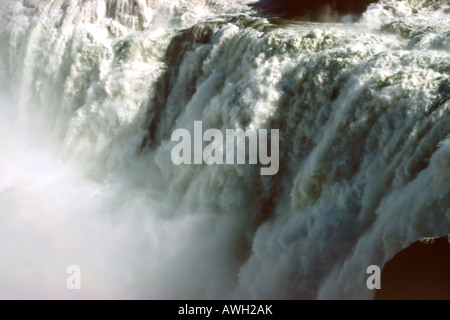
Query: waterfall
91	92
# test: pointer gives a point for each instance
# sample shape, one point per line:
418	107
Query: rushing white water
92	91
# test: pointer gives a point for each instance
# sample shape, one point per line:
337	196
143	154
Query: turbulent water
92	91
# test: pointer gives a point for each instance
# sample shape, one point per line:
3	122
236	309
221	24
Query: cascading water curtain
92	91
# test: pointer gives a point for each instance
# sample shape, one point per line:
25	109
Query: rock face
318	10
419	272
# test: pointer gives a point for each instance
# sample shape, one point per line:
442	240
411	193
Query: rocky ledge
419	272
318	10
